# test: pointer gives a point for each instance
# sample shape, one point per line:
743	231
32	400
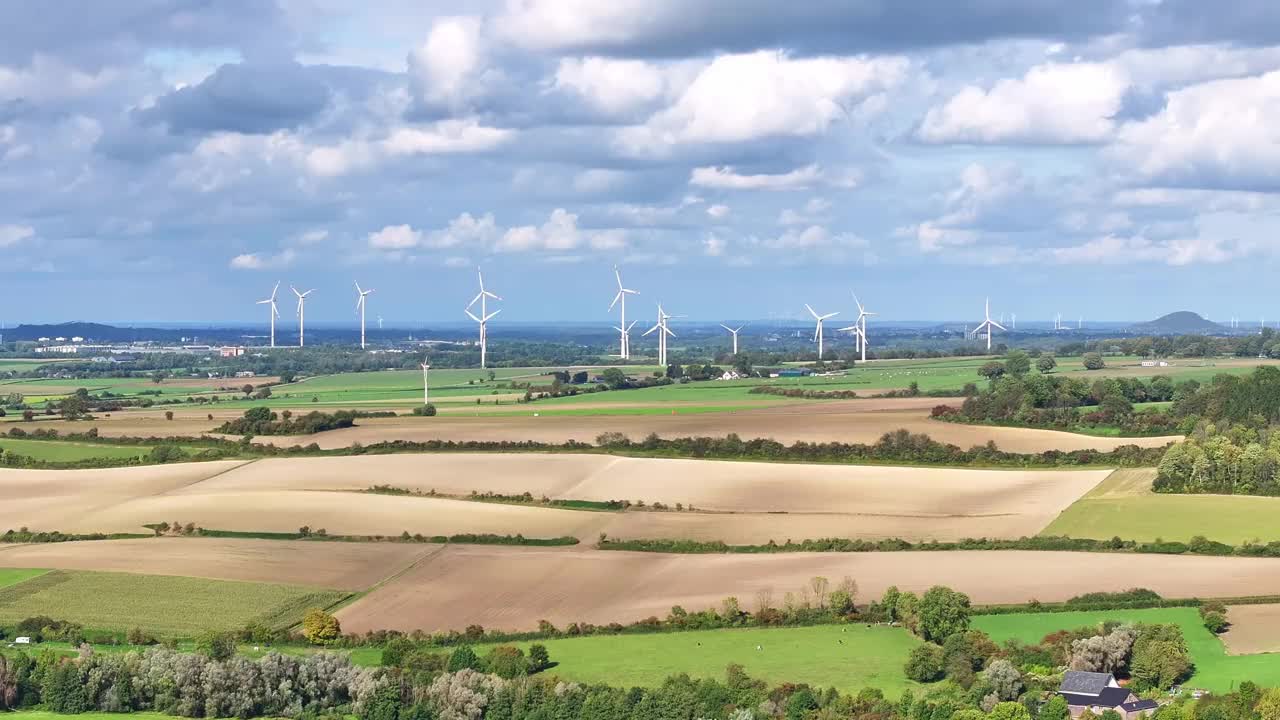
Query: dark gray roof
1140	706
1110	697
1084	683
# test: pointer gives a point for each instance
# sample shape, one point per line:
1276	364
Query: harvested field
828	421
69	500
750	502
343	566
514	588
1254	629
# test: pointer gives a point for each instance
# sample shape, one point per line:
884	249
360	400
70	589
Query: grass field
167	605
1123	505
63	451
846	657
16	575
1215	669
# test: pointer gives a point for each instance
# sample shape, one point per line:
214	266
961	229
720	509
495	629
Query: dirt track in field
336	565
737	502
1254	629
514	588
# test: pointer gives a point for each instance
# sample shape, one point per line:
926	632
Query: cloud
811	211
713	246
244	98
988	198
726	178
1214	135
445	137
687	27
1116	250
613	87
11	235
718	212
446	67
395	237
260	261
1053	103
739	98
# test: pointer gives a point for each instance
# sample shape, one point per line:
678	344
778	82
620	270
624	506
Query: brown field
1254	629
740	502
827	421
343	566
832	421
514	588
69	500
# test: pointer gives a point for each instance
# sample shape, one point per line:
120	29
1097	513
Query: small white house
24	640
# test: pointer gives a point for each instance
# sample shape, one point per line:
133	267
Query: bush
319	627
217	646
428	410
926	663
1215	621
1093	361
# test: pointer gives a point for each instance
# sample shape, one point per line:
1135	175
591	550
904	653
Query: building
795	372
24	640
245	374
231	351
1097	692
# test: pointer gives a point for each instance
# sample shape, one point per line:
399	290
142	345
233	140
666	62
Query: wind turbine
862	333
360	303
426	388
663	317
274	312
485	316
817	330
379	322
624	349
734	332
302	314
988	324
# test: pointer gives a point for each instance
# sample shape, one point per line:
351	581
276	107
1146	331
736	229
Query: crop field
162	604
1253	629
738	502
13	576
1124	505
344	566
1215	669
63	451
513	588
846	657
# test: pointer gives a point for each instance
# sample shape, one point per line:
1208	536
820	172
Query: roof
1110	697
1078	682
1140	706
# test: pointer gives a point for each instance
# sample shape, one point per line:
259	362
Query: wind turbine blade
616	298
358	289
495	297
274	289
490	315
470	315
359	301
633	324
646	332
996	324
618	275
263	302
668	331
475	299
275	309
630	291
829	315
811	312
726	327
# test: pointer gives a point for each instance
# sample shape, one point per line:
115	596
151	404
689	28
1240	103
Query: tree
1093	361
943	612
247	389
507	662
28	415
539	658
991	370
1004	679
217	646
287	377
158	376
1046	364
1215	621
463	658
614	378
1017	363
319	627
1009	711
386	704
1055	709
926	663
168	414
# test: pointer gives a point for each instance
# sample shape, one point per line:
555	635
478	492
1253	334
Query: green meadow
13	576
65	451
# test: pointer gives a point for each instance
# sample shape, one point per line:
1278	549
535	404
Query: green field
162	604
64	451
846	657
1124	506
14	576
1215	669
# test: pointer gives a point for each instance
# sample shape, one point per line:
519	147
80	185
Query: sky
171	160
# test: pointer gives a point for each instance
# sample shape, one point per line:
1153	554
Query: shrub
319	627
926	663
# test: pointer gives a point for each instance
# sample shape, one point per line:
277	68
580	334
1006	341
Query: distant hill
96	332
1183	322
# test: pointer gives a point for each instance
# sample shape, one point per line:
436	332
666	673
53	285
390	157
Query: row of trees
262	421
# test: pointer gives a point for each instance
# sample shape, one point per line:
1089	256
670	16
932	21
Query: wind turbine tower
663	332
302	314
426	387
273	312
483	319
988	325
624	330
360	305
817	330
734	332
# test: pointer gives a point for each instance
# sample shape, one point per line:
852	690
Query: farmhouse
1096	692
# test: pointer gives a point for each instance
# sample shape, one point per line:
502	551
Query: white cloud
811	211
1052	103
713	246
743	97
312	237
259	261
465	230
48	79
1117	250
559	232
11	235
718	212
612	86
446	66
1220	134
395	237
726	178
547	24
446	136
595	180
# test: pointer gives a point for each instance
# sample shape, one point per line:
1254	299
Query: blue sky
171	160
